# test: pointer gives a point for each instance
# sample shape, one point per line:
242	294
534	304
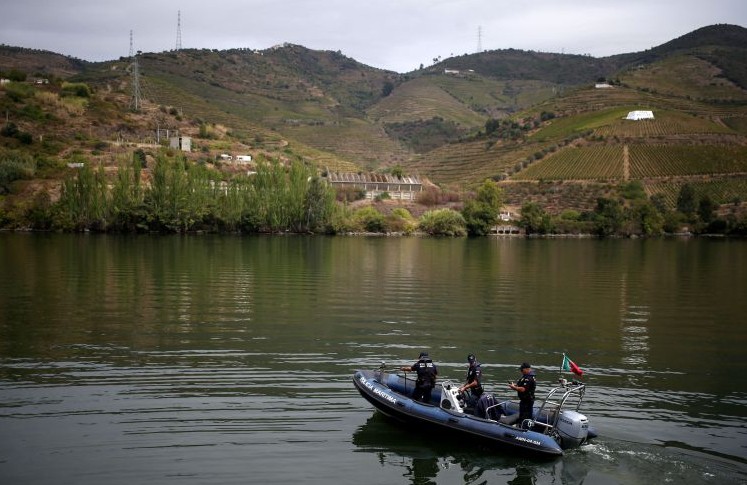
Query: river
228	359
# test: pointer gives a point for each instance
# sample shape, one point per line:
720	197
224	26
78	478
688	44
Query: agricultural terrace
722	189
421	99
611	122
676	160
365	144
471	161
483	94
664	123
602	162
685	76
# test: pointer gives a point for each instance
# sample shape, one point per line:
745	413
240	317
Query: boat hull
388	393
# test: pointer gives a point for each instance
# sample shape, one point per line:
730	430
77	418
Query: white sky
397	35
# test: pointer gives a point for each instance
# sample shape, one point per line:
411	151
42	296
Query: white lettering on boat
527	440
377	391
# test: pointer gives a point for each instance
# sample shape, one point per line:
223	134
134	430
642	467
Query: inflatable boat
556	424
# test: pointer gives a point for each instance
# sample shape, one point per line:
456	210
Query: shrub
400	220
80	90
15	166
370	220
443	222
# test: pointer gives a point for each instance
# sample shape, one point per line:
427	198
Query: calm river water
226	359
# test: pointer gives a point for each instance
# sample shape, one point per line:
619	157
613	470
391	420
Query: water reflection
433	457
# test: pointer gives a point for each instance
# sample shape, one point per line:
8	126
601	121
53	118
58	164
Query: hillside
554	137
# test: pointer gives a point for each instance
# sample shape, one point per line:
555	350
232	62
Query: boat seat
509	419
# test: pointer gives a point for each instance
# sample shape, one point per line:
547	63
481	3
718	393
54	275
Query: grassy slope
331	109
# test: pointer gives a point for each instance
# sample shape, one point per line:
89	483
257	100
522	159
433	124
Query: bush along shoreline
174	196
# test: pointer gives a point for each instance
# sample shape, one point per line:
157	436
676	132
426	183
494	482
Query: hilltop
547	127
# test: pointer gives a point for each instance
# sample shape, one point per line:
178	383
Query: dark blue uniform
526	398
427	372
474	374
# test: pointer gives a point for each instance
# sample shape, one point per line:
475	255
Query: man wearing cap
426	380
525	387
473	384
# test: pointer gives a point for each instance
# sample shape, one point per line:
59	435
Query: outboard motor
572	428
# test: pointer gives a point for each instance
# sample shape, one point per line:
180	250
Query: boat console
451	398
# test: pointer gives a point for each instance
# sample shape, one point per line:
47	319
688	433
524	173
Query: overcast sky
398	35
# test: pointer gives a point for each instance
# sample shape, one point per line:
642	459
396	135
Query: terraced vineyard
470	162
665	122
360	143
648	161
421	99
685	76
578	163
489	95
555	197
722	190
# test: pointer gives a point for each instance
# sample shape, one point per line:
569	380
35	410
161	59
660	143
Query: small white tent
640	115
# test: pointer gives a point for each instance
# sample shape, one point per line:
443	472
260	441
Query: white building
640	115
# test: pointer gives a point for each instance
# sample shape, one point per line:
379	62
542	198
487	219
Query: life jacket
426	370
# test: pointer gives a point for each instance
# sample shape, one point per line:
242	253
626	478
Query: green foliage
481	213
443	222
182	197
15	166
319	205
633	190
534	219
646	218
687	200
348	193
425	135
81	90
83	201
706	209
369	219
400	220
505	129
609	217
18	92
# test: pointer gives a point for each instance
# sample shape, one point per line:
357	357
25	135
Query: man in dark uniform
474	381
525	387
426	380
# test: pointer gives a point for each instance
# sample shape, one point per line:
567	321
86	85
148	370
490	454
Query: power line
479	39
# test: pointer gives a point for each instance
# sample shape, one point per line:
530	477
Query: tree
387	89
609	216
647	219
534	219
319	203
706	209
633	190
686	200
481	213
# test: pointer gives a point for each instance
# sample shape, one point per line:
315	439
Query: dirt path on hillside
626	164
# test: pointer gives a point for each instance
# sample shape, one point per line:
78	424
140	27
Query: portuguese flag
571	366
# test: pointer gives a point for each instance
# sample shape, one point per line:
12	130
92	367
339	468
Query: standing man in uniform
473	382
525	387
426	380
